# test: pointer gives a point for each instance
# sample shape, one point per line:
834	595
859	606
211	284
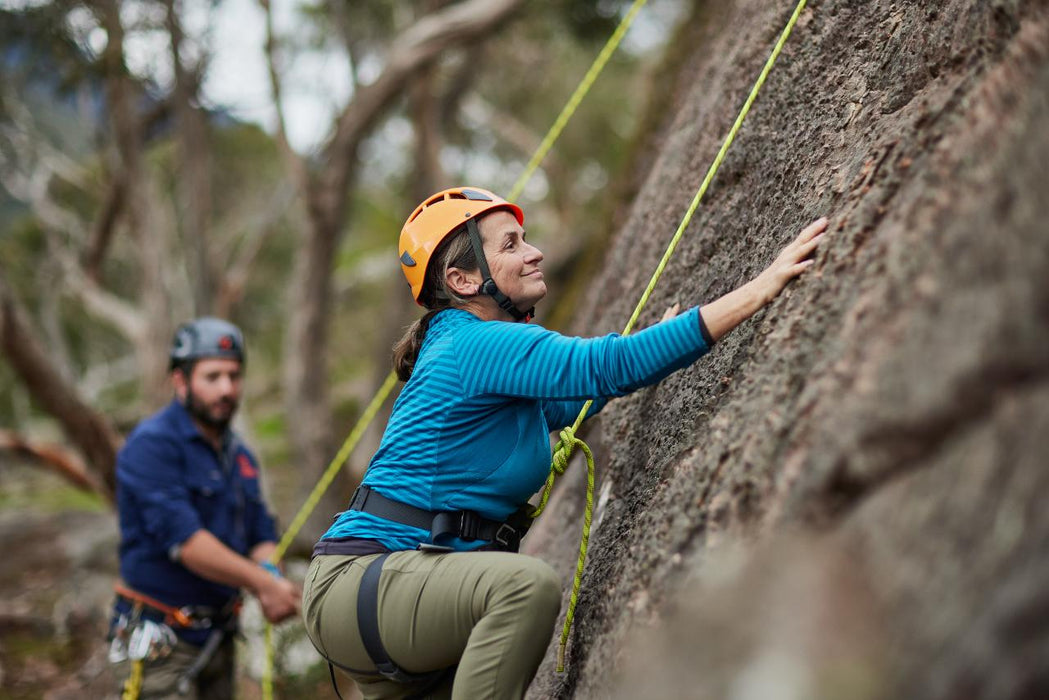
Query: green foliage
28	488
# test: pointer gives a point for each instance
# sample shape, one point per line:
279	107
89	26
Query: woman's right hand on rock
791	262
724	314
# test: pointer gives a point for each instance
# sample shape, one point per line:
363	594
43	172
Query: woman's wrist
724	314
761	291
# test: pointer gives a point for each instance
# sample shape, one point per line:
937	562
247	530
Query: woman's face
514	262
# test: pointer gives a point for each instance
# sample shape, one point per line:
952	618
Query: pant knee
539	584
548	589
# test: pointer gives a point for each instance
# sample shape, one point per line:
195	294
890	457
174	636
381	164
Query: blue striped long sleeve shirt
470	430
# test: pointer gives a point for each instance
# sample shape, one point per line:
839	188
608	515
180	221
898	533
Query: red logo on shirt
247	469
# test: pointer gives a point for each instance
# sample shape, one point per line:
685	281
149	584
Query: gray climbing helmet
206	337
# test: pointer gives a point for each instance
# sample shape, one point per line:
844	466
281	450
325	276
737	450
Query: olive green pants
160	677
490	613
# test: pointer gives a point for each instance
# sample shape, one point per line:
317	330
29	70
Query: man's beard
213	415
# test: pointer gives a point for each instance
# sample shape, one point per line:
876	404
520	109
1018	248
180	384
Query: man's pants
160	677
489	613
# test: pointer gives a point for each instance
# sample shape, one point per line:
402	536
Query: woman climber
416	589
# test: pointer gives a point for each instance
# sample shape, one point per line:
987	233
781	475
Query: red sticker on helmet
226	342
247	469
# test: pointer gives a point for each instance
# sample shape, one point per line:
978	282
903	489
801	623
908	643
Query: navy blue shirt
171	483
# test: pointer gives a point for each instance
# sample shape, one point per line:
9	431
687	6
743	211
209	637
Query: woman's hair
454	251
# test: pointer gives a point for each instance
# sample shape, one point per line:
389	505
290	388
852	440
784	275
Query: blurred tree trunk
423	105
151	342
194	182
325	190
89	430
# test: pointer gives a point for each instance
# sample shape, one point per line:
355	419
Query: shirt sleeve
151	470
561	414
262	526
528	361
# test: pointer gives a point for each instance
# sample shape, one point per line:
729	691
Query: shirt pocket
208	495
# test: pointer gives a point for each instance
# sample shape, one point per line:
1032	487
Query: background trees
134	196
133	201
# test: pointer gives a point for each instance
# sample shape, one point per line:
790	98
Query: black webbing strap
368	625
464	524
367	500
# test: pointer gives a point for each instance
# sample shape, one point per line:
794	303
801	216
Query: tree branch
416	47
103	228
89	430
296	163
55	457
193	186
511	130
238	268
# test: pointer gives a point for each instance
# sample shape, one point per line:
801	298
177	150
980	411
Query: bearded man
194	529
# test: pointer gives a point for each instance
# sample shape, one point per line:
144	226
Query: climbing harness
569	441
368	628
146	632
368	623
466	525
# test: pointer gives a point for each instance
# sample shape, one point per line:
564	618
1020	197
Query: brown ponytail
406	350
454	251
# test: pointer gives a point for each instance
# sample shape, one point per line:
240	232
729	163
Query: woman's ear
461	283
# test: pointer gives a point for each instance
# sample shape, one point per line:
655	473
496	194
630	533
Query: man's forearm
205	555
262	551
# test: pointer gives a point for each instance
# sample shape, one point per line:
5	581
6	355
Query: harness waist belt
186	617
464	524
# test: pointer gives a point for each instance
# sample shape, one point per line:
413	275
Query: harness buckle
469	525
506	536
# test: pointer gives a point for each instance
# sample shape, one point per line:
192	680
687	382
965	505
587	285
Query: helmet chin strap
488	286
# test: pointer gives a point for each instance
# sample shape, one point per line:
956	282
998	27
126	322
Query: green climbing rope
568	442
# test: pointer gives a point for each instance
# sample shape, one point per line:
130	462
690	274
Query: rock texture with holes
847	497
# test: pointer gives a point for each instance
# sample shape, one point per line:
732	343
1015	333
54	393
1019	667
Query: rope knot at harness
564	448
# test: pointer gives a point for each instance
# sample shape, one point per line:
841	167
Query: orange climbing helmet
438	217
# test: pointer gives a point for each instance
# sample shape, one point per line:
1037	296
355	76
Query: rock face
848	497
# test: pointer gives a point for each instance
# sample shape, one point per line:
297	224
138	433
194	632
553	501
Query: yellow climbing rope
568	442
380	397
133	684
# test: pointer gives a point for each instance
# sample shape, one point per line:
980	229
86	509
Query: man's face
212	392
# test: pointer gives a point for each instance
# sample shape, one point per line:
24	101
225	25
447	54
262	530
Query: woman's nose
532	254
